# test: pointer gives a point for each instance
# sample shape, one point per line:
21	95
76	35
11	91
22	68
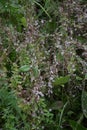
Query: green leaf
61	80
24	68
35	71
44	10
81	39
85	76
78	78
59	57
84	103
23	21
76	126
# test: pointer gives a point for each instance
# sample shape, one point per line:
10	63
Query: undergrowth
43	65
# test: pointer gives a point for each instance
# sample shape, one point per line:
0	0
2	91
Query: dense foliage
43	65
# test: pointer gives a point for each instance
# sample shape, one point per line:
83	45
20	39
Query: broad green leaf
23	21
61	80
24	68
76	126
84	103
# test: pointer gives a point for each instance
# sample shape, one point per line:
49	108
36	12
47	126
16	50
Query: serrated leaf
24	68
84	103
61	80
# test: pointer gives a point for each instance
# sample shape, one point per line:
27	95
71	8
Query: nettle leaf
24	68
84	103
61	80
